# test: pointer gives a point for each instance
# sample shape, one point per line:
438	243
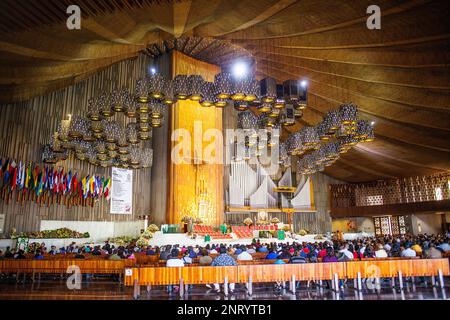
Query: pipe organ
303	197
249	187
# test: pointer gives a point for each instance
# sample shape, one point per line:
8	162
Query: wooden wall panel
26	126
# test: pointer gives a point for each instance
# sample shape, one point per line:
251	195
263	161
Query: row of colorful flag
47	183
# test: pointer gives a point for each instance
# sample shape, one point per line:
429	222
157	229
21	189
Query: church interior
299	146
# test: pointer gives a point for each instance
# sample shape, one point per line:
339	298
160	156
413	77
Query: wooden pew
253	273
387	268
60	266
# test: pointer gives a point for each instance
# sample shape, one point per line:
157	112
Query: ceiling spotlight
304	83
152	70
372	123
240	69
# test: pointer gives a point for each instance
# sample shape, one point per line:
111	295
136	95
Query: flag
6	174
22	176
69	182
60	181
48	170
41	180
101	186
28	176
13	174
85	186
35	177
107	186
91	185
75	183
19	175
56	181
64	184
51	174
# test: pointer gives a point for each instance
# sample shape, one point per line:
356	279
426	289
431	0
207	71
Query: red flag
14	177
74	184
55	181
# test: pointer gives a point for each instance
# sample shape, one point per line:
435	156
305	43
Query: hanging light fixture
265	107
146	157
119	99
195	85
157	111
169	97
156	85
223	85
240	105
207	94
268	90
104	102
135	155
251	89
141	90
93	109
220	103
348	114
132	133
63	130
157	122
181	87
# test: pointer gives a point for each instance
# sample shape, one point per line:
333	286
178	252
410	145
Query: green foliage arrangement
61	233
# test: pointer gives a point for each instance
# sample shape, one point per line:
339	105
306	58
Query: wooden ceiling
398	76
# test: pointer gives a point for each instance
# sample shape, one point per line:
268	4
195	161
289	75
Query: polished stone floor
106	289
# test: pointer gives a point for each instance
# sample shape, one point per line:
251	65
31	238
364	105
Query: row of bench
284	272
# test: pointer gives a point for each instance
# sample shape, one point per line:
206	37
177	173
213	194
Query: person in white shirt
346	252
444	246
381	253
362	249
251	250
173	260
186	258
408	252
244	255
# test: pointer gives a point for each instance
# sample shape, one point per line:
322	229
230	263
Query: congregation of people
426	246
336	250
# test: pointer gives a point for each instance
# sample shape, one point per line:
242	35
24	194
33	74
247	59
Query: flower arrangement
61	233
198	221
275	220
303	232
319	237
141	242
248	221
186	219
122	241
286	228
153	228
145	237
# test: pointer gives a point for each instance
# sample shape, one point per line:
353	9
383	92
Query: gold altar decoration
196	185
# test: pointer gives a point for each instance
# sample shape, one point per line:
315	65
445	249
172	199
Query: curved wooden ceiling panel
399	76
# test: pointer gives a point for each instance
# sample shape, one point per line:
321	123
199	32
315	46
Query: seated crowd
426	246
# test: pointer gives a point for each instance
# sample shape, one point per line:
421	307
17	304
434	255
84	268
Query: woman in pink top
131	255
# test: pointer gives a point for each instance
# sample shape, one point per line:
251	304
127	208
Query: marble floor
106	289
